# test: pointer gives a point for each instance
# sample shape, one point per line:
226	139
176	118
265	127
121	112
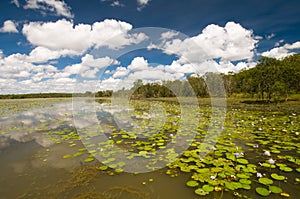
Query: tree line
196	86
36	95
270	79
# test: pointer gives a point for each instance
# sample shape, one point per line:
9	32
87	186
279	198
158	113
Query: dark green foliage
35	95
106	93
270	79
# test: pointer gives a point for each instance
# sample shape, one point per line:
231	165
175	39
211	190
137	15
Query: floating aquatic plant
262	191
275	176
192	183
265	181
275	189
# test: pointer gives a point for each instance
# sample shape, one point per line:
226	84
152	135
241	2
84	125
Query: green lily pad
201	192
280	164
245	181
242	175
275	151
265	181
207	188
119	170
275	189
89	159
262	191
204	170
275	176
246	186
192	183
268	165
286	169
242	161
298	169
233	185
103	167
185	169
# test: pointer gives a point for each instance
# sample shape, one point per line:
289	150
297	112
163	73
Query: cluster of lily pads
257	151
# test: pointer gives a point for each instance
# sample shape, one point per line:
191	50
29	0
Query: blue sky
56	46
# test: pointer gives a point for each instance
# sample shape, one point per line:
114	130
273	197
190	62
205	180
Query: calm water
35	162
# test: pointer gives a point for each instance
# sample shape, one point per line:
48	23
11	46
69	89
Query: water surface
42	155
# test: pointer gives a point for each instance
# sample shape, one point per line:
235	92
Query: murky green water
43	156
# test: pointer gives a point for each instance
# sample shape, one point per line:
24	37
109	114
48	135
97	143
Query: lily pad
207	188
245	181
262	191
268	165
89	159
286	169
201	192
242	161
192	183
275	176
275	189
103	167
204	170
242	175
265	181
233	185
246	186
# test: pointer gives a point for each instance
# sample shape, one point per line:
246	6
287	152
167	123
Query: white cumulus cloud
120	72
90	61
89	66
283	51
138	63
176	67
232	42
64	35
112	84
9	26
17	67
58	35
114	34
42	54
